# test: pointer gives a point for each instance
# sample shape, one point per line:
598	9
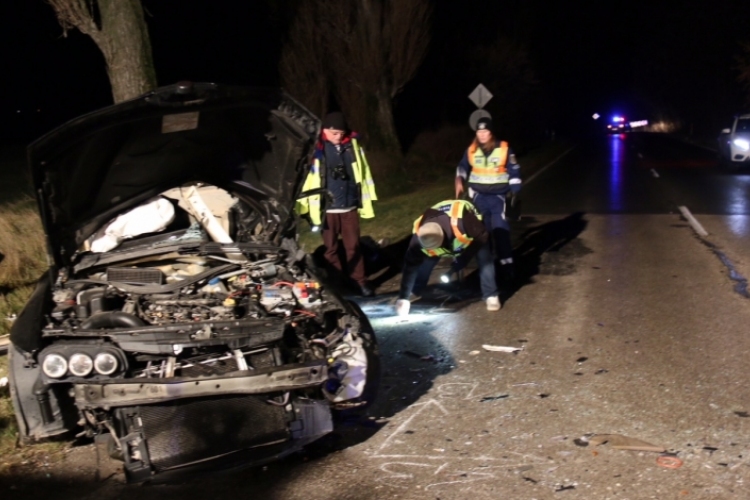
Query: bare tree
303	68
376	47
119	30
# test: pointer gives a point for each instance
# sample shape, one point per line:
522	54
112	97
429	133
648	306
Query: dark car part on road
178	316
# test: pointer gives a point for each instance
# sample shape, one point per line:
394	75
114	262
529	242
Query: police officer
451	228
490	169
339	165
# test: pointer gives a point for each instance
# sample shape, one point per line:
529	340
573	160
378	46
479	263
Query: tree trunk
121	34
127	49
382	135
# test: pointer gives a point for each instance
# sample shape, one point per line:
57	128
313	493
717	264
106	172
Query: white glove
402	307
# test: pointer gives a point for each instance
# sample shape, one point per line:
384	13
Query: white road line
527	181
693	221
654	173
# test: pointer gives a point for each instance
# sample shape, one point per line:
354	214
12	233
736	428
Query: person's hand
459	187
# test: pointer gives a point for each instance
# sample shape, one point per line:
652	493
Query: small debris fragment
742	414
581	359
544	395
620	442
564	488
529	480
473	353
710	449
669	462
582	441
500	348
3	381
600	371
493	398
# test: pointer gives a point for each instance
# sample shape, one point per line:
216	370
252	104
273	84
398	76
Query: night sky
646	59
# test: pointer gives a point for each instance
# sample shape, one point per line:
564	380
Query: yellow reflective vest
455	210
310	205
488	169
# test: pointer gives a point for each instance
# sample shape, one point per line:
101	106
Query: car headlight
743	144
105	363
54	365
81	364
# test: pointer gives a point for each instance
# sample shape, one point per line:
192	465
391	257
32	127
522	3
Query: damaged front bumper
138	392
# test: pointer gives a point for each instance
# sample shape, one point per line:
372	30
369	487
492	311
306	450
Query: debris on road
493	398
742	414
581	359
669	462
600	371
500	348
618	442
474	353
3	382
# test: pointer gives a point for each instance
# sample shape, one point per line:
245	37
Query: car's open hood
95	167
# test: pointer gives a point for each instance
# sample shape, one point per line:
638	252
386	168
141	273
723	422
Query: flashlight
315	229
446	278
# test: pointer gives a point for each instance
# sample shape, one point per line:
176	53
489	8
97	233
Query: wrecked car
179	322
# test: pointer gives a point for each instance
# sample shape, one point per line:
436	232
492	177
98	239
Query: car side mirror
725	131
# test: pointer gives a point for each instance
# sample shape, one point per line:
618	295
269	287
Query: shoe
402	307
366	291
493	303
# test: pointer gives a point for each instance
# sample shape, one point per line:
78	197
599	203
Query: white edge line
527	181
693	221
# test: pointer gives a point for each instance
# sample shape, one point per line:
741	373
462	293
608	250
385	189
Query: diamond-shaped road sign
480	96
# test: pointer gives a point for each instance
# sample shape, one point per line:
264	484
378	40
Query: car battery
272	296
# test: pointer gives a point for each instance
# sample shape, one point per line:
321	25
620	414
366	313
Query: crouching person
451	228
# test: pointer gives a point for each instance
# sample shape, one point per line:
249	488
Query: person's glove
402	307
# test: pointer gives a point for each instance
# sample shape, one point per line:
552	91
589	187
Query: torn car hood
250	141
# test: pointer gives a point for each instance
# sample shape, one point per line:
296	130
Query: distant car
179	322
618	125
734	142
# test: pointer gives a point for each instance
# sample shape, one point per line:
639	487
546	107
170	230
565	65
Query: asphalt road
628	322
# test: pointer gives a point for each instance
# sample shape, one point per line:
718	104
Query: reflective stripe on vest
454	210
488	169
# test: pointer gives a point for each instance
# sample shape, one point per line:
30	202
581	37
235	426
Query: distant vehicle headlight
81	364
105	363
743	144
54	365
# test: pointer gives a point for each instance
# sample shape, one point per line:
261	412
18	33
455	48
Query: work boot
493	303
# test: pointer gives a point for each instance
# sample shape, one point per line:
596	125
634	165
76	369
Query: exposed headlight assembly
54	365
105	363
80	364
743	144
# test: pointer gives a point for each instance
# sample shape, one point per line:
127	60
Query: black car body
186	348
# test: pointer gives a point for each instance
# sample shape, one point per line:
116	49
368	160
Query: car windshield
743	125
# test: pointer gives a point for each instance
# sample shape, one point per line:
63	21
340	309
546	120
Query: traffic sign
480	96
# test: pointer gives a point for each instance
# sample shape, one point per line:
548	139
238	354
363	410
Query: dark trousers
347	225
492	208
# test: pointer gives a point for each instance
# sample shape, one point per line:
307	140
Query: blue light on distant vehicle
618	119
743	144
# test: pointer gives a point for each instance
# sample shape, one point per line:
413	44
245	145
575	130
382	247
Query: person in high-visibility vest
451	228
339	165
490	169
